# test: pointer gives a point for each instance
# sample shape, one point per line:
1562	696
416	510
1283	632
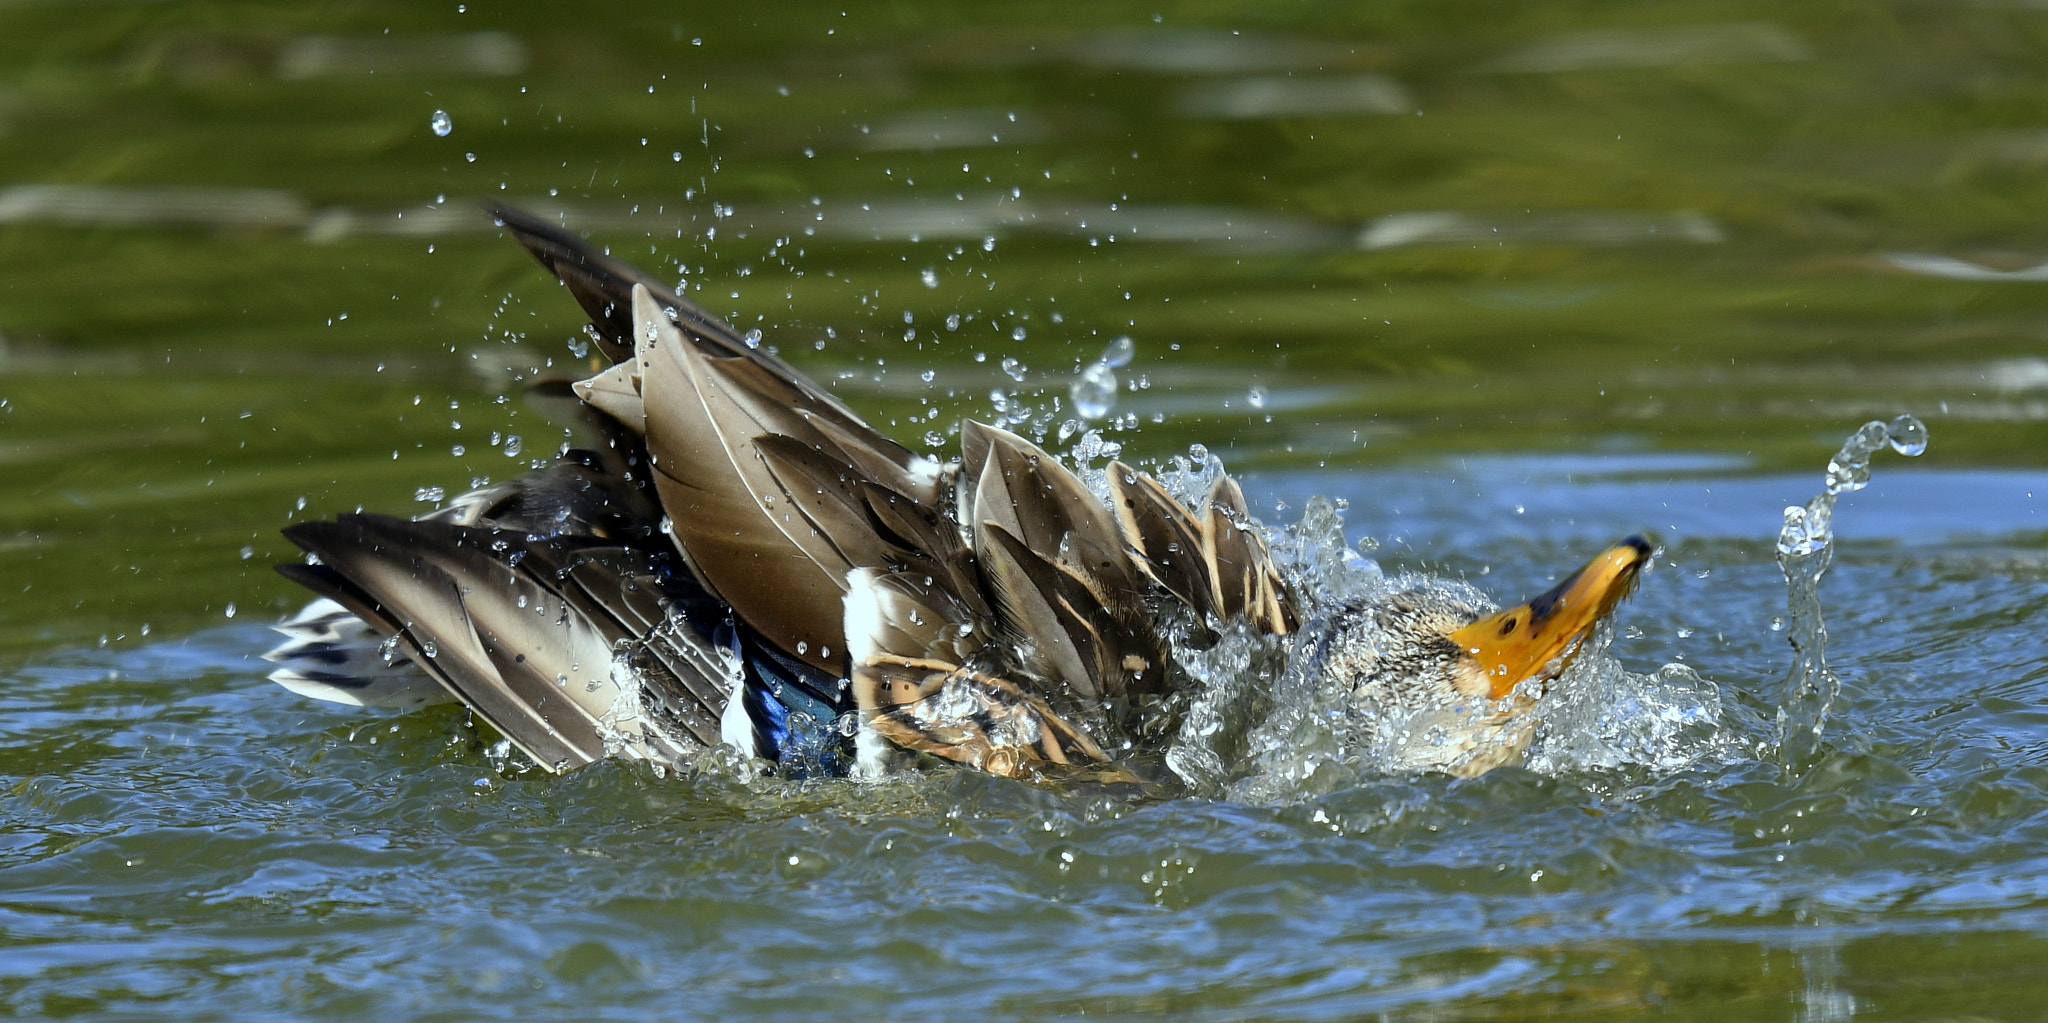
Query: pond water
1514	280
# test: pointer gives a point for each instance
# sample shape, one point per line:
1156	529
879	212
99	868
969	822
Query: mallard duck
732	556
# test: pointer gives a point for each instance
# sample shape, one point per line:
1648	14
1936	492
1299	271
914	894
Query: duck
728	557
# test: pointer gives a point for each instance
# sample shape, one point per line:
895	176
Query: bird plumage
736	557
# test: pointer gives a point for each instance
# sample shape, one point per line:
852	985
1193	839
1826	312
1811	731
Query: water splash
1266	723
1805	549
1094	388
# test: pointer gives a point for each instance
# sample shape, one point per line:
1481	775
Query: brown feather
1165	536
980	720
721	498
458	607
1243	578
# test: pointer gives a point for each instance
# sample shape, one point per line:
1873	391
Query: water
1514	283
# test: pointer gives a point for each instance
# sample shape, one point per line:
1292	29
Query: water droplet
231	610
429	494
1017	333
988	244
471	157
934	439
512	446
430	648
1014	369
578	347
441	124
1908	435
248	552
1256	396
930	276
1094	391
1119	352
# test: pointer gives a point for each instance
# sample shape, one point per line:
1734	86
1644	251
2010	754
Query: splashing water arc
1805	549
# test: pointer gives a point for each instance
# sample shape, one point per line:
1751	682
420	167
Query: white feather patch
330	654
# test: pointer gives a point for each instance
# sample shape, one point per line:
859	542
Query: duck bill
1519	642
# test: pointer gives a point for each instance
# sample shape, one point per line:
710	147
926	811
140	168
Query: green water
1516	279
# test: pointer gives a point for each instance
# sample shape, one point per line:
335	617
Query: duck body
731	556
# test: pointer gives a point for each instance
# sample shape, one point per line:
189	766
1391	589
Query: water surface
1515	281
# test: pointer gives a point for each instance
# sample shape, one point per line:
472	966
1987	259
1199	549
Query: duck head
1455	679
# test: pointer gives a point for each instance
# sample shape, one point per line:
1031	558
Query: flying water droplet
1908	436
1256	396
1094	391
1119	352
512	446
441	124
231	610
425	494
930	276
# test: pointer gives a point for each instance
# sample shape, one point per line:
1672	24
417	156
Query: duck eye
1508	626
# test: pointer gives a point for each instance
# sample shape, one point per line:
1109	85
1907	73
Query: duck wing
752	538
1067	593
523	629
1215	561
705	399
603	285
1009	631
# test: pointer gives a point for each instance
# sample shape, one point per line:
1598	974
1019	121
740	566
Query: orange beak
1520	641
